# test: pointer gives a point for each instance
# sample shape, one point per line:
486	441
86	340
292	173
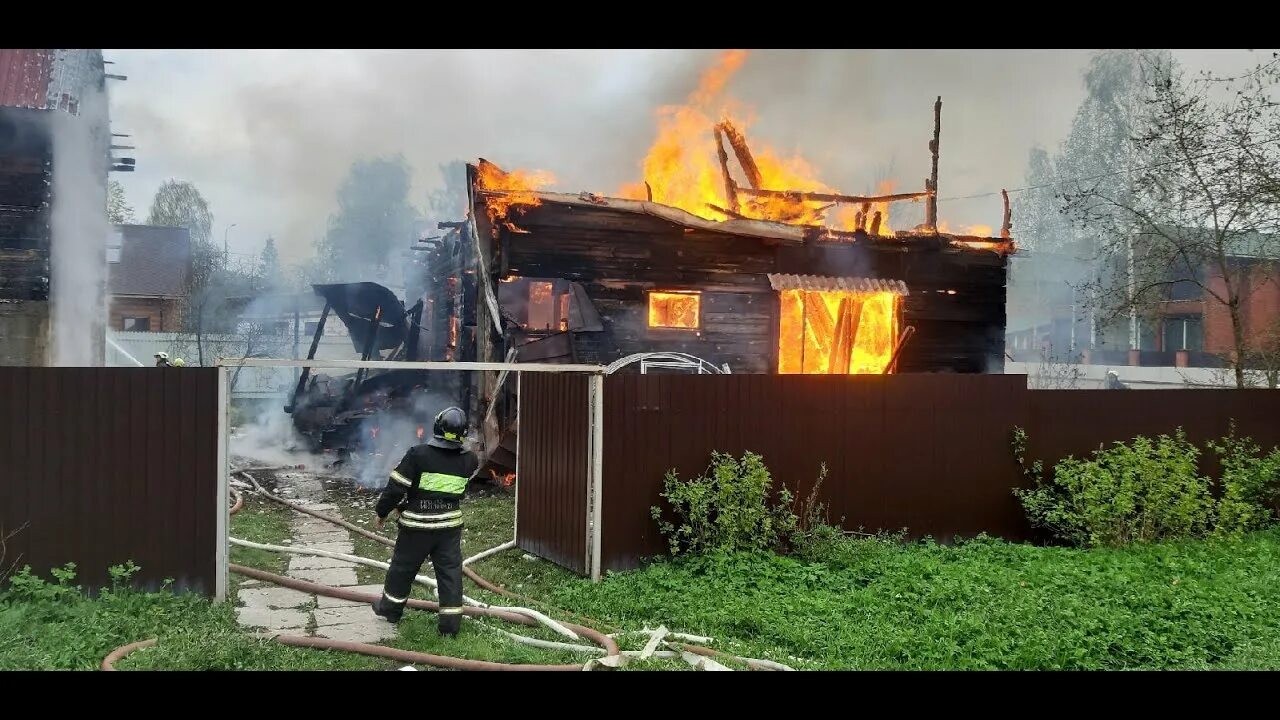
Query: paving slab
337	577
272	597
344	615
315	562
369	631
311	537
343	546
271	619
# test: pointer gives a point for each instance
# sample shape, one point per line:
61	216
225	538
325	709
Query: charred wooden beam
931	214
730	187
819	324
726	211
740	148
897	350
1007	226
648	191
795	195
846	336
875	223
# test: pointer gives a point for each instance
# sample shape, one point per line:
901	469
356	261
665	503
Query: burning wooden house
730	276
768	288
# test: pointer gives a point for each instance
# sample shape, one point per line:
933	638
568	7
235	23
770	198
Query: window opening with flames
837	326
674	309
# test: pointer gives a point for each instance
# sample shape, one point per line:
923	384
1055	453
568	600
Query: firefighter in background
162	360
1113	382
427	488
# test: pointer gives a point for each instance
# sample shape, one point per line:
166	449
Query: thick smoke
80	230
270	440
388	435
586	116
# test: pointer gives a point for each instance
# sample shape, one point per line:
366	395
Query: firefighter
162	359
427	488
1113	382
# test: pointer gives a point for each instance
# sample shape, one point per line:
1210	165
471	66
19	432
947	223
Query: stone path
280	609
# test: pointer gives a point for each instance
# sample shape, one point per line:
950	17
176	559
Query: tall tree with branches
1196	209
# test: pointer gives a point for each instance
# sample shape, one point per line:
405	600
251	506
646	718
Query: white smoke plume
79	231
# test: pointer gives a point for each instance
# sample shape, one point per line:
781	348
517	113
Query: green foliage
726	508
1250	482
982	604
1149	490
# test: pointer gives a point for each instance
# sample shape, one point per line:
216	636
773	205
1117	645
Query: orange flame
421	432
674	309
506	480
519	188
837	332
683	169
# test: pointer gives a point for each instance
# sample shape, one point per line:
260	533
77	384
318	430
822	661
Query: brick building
148	269
1187	329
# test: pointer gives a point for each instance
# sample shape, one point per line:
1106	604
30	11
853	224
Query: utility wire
1114	173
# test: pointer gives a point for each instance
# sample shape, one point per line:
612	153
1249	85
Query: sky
267	135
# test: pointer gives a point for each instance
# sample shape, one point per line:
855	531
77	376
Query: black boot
449	625
388	610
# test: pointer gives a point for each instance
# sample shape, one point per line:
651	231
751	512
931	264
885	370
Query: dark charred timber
798	196
1006	227
740	148
730	187
311	354
618	255
726	211
931	211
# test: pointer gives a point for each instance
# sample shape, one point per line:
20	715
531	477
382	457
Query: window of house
1183	333
675	309
136	324
542	306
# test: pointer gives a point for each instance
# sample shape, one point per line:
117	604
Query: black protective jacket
427	486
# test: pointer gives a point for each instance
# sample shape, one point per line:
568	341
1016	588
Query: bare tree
1196	211
119	211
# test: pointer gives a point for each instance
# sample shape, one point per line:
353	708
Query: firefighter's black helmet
449	428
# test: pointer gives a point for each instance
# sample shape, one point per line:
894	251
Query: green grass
859	604
47	626
981	605
261	522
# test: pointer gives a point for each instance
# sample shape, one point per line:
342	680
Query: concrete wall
1091	377
24	333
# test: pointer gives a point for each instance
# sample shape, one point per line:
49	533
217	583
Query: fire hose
606	645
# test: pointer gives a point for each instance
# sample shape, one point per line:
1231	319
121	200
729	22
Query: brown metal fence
100	466
551	507
928	453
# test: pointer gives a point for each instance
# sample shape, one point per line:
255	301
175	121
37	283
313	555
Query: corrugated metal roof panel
24	78
829	284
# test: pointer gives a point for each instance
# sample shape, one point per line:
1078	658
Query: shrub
1249	485
726	509
1149	490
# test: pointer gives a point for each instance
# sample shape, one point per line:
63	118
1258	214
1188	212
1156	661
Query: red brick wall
164	314
1260	311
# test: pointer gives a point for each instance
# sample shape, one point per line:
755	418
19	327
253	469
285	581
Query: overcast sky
267	135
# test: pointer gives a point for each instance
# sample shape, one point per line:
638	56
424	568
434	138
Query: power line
1112	174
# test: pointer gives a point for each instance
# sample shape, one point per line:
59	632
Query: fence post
595	402
220	552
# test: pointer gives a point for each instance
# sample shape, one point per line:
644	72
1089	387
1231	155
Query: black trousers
413	548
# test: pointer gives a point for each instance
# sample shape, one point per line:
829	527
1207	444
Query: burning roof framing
621	252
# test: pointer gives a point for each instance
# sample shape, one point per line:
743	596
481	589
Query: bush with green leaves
726	508
1249	485
1149	490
